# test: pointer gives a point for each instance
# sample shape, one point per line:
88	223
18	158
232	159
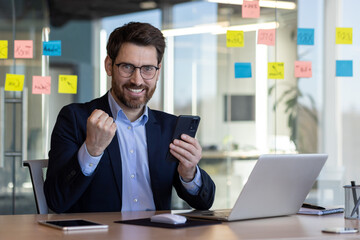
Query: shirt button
135	200
129	127
131	151
90	164
132	176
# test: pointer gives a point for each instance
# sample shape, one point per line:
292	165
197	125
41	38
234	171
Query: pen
307	205
354	196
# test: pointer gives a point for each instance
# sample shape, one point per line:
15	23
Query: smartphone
185	124
73	224
340	230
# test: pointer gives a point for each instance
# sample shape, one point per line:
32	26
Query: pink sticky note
41	85
23	49
303	69
266	36
250	9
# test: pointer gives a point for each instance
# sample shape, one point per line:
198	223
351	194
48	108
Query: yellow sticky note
68	84
3	49
235	38
276	70
344	35
14	82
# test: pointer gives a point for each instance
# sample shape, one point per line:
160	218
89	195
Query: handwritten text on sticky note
242	70
250	9
52	48
14	82
344	36
276	70
23	49
234	38
344	68
303	69
266	36
41	85
305	36
3	49
68	84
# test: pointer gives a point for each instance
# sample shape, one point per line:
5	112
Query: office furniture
287	227
37	178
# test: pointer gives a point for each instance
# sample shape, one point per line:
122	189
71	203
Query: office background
241	117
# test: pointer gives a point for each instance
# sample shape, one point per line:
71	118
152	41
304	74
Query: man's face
133	92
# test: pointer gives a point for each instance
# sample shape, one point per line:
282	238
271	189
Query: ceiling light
262	3
148	5
219	28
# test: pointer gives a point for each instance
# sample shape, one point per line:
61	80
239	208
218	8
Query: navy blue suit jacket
68	190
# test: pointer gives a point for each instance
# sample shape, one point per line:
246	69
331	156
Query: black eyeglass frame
134	68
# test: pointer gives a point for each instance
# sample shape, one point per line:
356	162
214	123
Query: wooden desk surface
288	227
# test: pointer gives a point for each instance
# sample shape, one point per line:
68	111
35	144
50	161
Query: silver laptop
277	186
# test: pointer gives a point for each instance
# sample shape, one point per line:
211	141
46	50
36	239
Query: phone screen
186	124
340	230
73	224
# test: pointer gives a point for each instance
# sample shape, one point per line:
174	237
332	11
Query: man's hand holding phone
184	147
188	151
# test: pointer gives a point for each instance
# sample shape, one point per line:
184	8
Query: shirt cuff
194	186
87	162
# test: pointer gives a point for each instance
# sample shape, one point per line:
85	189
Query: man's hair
141	34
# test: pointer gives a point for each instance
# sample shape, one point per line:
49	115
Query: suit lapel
153	136
113	150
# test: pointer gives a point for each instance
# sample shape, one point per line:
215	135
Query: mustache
134	86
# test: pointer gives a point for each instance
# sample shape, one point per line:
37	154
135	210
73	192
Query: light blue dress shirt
136	185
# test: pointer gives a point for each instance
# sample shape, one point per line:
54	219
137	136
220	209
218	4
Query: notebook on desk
277	186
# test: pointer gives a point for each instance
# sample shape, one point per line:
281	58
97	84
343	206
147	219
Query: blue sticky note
305	36
344	68
52	48
242	70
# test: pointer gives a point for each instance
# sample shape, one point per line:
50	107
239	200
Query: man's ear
108	66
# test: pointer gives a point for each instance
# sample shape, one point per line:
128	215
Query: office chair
37	179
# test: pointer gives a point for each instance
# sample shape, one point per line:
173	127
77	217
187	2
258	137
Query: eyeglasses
147	72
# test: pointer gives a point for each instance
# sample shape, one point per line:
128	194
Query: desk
288	227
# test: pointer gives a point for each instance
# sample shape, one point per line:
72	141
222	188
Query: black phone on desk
185	124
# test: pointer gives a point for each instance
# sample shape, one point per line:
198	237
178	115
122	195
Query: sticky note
3	49
343	36
305	36
276	70
266	36
23	49
52	48
250	9
68	84
41	85
243	70
344	68
14	82
234	38
303	69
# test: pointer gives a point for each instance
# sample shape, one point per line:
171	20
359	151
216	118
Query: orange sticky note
234	38
41	85
276	70
250	9
344	36
303	69
3	49
266	36
23	49
68	84
14	82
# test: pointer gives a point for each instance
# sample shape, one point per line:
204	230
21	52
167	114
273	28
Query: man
110	154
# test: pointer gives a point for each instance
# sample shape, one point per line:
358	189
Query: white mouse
168	218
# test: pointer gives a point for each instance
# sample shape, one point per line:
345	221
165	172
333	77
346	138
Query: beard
131	101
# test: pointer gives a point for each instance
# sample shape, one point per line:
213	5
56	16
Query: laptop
277	186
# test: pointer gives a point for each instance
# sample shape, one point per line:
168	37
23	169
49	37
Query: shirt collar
117	111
